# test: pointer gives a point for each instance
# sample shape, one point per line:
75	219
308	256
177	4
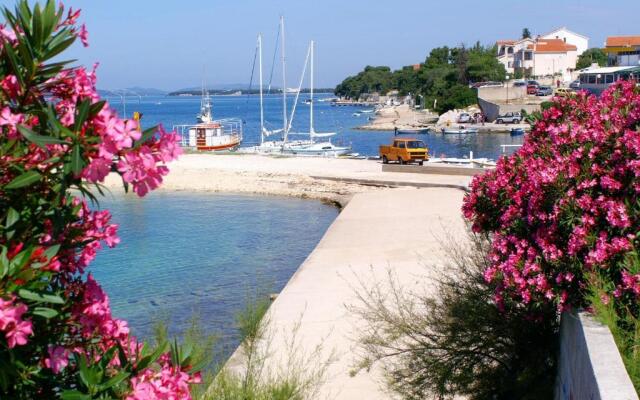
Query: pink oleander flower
58	359
15	328
84	35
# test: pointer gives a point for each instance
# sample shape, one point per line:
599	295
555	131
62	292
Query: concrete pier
397	230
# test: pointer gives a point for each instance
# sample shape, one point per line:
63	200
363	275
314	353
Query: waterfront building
623	51
554	53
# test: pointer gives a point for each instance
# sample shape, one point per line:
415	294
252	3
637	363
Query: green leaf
4	262
45	312
39	140
74	395
150	359
13	60
52	251
77	163
82	111
96	107
86	375
40	297
12	217
114	381
26	179
146	135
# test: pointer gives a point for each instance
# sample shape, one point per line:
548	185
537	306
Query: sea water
175	110
204	255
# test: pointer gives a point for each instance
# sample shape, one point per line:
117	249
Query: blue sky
166	44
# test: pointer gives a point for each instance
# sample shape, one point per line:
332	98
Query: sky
173	44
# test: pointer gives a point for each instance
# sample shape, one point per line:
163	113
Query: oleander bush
564	215
58	141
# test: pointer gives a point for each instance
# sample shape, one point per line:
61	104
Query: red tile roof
553	46
508	42
623	41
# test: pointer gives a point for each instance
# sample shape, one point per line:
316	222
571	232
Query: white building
581	42
555	53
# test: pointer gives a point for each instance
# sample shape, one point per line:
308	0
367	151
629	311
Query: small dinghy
459	131
417	131
517	131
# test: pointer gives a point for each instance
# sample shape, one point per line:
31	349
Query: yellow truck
405	151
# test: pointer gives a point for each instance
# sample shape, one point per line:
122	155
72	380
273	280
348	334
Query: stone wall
501	93
590	366
492	109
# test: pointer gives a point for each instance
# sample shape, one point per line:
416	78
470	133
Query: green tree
526	34
590	56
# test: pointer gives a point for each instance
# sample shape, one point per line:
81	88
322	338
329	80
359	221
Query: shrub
565	205
454	340
58	141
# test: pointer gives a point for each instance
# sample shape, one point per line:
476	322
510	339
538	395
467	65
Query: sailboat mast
284	80
311	93
261	100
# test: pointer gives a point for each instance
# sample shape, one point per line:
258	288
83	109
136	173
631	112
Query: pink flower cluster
167	383
564	205
15	328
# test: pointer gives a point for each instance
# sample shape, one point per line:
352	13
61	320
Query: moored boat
517	131
459	131
416	131
209	134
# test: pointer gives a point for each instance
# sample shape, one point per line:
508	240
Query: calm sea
203	254
182	110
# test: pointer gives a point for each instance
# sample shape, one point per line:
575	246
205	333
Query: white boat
311	147
209	134
459	131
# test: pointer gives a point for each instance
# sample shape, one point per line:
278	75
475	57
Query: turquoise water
170	110
203	254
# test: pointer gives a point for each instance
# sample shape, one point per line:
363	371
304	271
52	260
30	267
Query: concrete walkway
401	230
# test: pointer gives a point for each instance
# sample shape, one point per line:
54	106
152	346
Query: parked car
464	118
563	92
532	89
575	85
509	118
405	151
544	91
519	84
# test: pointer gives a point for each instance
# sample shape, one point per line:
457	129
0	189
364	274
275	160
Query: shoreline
404	118
330	180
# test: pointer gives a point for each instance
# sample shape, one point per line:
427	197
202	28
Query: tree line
442	79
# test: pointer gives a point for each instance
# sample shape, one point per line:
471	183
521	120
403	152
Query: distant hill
236	91
132	91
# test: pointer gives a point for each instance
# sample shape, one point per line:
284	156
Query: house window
528	56
509	64
510	50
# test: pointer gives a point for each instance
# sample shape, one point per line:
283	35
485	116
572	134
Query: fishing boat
356	114
459	131
209	134
311	147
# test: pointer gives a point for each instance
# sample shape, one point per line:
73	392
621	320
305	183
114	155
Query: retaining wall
590	366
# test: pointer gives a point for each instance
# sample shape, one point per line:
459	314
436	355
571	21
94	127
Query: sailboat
267	146
310	147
